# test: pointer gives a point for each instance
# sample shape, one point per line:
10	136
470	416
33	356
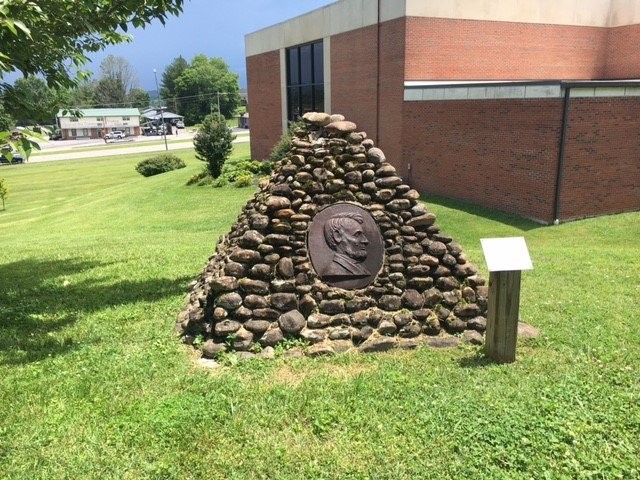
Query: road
99	149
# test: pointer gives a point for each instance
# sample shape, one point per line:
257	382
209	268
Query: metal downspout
378	77
561	150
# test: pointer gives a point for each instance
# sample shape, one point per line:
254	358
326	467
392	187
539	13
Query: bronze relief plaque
345	246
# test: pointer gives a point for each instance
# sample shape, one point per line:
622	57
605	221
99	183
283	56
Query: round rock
343	126
318	119
291	322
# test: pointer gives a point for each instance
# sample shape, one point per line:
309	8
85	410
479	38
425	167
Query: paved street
98	148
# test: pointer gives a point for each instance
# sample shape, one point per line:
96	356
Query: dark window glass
294	103
318	63
305	79
294	67
306	98
318	98
306	65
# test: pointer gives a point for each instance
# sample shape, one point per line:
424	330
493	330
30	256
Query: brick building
97	122
530	107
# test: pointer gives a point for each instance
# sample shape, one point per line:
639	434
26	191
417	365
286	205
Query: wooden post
502	316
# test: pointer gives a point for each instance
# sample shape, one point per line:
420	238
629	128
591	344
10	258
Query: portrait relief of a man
345	236
345	246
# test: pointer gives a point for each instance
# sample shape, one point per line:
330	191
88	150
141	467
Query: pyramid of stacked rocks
337	251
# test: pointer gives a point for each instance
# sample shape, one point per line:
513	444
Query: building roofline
348	15
417	84
102	112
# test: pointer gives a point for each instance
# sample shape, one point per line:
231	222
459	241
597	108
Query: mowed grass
95	261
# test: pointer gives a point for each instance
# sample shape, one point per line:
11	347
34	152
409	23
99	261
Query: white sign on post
506	254
505	257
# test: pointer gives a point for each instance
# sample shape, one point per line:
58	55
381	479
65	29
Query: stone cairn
260	287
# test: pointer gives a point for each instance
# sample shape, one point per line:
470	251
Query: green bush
242	172
213	143
4	190
281	149
244	180
199	178
165	162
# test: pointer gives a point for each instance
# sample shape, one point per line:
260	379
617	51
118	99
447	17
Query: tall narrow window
305	79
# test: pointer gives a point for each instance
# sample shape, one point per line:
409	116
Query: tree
31	102
109	92
52	39
6	121
119	68
4	190
169	77
213	143
83	95
117	79
205	82
138	98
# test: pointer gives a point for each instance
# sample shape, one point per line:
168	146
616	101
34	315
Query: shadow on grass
511	220
477	360
34	307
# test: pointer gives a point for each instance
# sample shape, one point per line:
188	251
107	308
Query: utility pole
164	127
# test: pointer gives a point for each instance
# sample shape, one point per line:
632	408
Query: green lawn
95	261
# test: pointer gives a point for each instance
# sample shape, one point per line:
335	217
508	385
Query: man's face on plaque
351	240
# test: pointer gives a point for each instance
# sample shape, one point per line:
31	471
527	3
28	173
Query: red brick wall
265	107
392	65
354	81
354	77
623	54
501	154
448	49
602	157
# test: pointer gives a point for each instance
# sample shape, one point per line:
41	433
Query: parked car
116	134
15	158
179	124
149	131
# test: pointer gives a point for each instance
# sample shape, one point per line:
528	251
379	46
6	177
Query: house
96	122
529	107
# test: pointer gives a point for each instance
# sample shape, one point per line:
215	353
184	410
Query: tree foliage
200	85
4	190
31	102
117	85
82	95
169	77
51	39
109	92
119	68
213	143
6	120
138	98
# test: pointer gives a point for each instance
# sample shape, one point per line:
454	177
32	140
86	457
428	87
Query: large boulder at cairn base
337	251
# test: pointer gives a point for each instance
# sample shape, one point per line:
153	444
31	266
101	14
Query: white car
116	134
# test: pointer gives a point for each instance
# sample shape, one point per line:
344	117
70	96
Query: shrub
165	162
244	180
281	149
213	143
4	190
242	172
198	178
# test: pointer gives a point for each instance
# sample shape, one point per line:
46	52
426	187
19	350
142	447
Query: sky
215	28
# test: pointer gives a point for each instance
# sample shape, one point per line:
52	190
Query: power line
173	99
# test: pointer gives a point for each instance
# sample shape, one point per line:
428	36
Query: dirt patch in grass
294	375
